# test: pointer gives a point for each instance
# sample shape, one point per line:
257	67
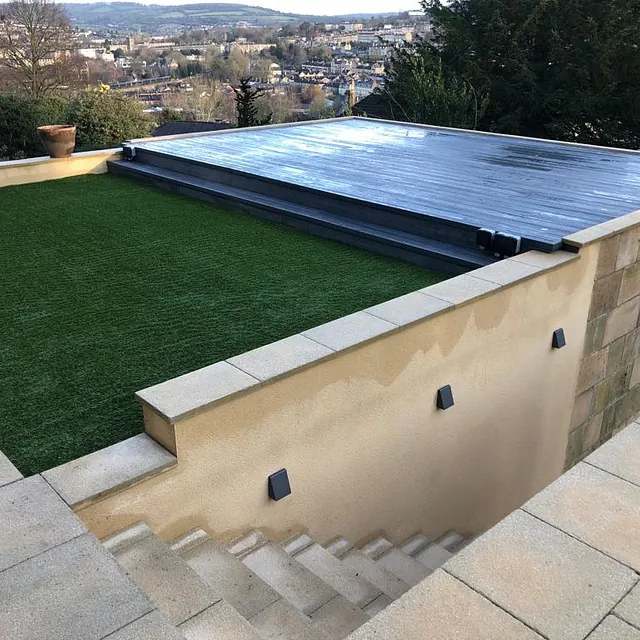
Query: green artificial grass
108	287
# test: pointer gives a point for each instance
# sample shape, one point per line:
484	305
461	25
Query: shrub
20	116
106	118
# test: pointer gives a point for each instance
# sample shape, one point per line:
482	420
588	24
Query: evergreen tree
563	69
246	107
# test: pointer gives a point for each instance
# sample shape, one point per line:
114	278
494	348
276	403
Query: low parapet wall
349	409
40	169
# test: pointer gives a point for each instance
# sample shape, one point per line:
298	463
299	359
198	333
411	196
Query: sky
314	7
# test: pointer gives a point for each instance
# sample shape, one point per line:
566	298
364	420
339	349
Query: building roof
179	127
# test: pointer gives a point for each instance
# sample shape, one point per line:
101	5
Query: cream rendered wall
366	449
39	169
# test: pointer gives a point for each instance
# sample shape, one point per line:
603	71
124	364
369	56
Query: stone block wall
608	387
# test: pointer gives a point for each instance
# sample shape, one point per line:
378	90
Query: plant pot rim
56	127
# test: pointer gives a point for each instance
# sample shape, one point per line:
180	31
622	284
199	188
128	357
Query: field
108	286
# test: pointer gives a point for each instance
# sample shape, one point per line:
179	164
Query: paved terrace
563	567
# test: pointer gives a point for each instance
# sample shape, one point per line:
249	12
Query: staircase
424	240
256	589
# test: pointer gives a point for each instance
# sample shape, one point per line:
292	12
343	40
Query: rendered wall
358	430
45	168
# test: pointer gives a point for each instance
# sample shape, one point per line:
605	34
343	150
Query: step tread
405	567
289	578
229	578
376	548
386	581
434	556
375	607
415	545
171	584
282	621
338	546
338	618
385	234
354	588
219	622
450	541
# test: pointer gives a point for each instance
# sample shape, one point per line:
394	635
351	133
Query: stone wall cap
181	397
505	272
108	470
410	308
603	231
281	358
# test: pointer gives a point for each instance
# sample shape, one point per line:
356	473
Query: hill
132	16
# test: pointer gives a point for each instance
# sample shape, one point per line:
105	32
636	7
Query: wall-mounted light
279	486
558	341
445	398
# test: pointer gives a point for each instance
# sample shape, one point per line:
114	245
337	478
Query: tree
566	69
246	105
35	38
206	103
320	109
417	92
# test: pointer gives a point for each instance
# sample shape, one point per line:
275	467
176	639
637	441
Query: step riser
417	224
427	260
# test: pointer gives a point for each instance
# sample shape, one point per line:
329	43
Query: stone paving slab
443	608
620	455
550	581
153	626
629	607
592	505
109	469
74	591
33	519
8	472
612	628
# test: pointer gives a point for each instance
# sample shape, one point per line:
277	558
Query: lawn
108	287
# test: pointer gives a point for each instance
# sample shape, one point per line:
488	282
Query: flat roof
539	190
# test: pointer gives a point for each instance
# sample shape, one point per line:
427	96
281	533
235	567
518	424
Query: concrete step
282	621
171	584
415	545
297	543
219	622
369	569
409	570
434	556
375	607
240	547
289	578
356	589
338	618
338	546
229	578
376	548
450	541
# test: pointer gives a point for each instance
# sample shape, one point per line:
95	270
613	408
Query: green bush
106	118
20	117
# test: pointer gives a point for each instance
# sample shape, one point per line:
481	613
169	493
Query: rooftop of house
129	286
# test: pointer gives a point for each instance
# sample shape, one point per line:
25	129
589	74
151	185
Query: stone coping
16	172
194	392
565	566
603	231
103	472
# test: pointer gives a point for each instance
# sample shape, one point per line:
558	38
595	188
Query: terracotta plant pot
58	140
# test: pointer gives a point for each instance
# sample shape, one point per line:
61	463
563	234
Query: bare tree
35	41
207	102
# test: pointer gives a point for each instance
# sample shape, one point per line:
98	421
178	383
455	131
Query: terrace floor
108	287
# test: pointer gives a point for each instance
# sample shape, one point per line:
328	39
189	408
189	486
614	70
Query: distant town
305	69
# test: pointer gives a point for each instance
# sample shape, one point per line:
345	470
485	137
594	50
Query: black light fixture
445	398
558	341
484	238
128	151
279	486
505	245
